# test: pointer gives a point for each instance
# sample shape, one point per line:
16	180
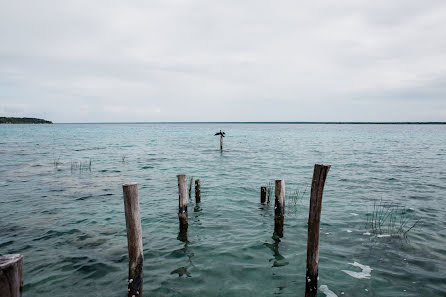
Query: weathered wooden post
182	203
197	191
262	195
134	239
11	275
189	191
222	134
314	219
279	207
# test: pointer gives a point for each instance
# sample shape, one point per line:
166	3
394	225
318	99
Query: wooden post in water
279	207
134	239
314	219
11	275
182	202
197	191
222	134
262	195
189	190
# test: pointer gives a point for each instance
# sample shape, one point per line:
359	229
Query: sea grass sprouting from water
387	219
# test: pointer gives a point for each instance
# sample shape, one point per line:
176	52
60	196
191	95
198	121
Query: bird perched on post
222	134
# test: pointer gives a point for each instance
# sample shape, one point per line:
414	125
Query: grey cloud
231	60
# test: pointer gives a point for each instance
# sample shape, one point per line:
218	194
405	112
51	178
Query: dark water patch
147	167
106	194
6	244
56	234
84	197
181	271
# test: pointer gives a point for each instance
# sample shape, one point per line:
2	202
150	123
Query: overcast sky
344	60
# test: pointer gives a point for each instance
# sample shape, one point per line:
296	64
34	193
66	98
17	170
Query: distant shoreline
13	120
291	123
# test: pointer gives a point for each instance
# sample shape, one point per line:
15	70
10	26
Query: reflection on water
277	257
183	270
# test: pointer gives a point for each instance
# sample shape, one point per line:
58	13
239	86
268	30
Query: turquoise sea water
69	222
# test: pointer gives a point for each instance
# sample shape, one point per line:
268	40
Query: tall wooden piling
197	191
279	207
182	202
262	195
11	275
134	239
314	219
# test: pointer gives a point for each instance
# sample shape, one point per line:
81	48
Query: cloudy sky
345	60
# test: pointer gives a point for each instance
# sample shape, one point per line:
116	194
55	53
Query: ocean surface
61	206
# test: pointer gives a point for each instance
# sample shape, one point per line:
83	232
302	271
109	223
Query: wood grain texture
182	202
11	275
134	239
279	207
314	219
197	191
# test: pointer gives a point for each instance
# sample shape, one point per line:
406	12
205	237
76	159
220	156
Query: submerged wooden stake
182	202
11	275
262	194
314	219
197	191
279	207
134	239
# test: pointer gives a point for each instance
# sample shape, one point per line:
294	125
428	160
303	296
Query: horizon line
274	122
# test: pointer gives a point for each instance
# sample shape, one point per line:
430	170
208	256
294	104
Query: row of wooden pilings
11	266
134	237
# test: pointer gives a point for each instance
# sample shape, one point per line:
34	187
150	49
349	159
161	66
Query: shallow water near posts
68	221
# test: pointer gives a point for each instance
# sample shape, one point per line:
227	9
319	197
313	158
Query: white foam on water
324	289
349	231
367	233
353	214
365	273
383	235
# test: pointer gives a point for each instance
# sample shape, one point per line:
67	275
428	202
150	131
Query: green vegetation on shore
6	120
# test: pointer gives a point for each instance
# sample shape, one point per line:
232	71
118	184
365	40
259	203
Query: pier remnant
222	134
262	195
197	191
279	207
11	275
182	203
134	239
314	219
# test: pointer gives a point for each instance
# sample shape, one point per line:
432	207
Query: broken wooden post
134	239
262	195
11	275
314	219
197	191
182	202
279	207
